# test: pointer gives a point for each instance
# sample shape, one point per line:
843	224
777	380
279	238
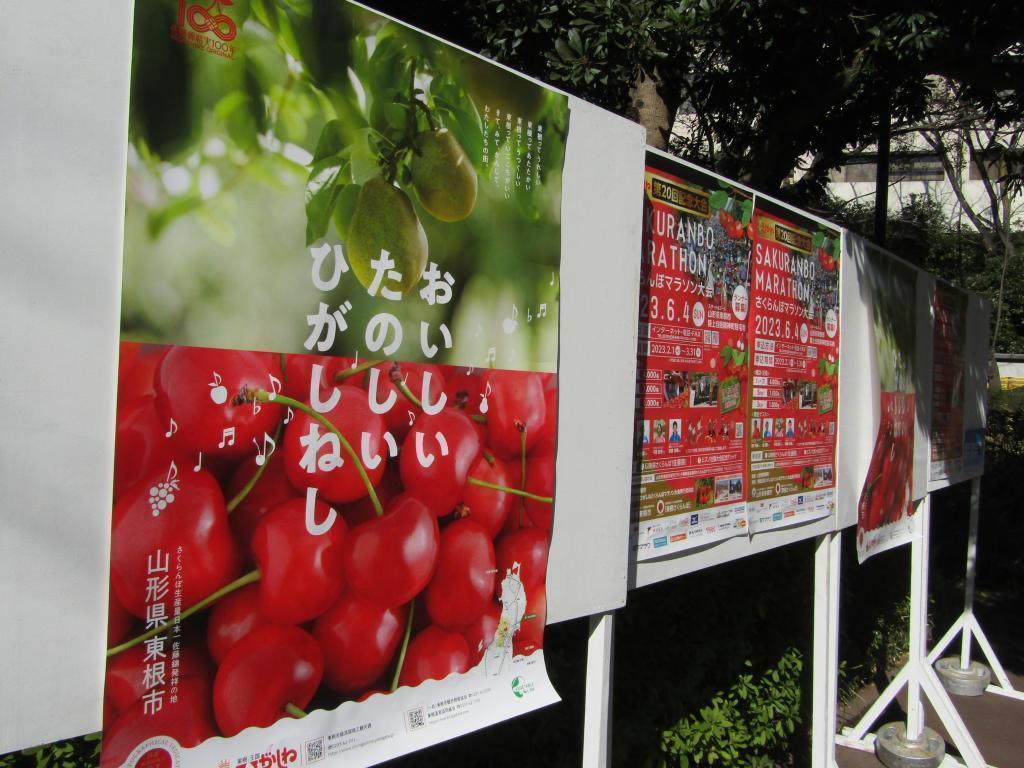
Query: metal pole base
963	682
895	750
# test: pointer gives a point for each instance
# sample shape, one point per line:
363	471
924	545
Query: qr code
415	719
315	750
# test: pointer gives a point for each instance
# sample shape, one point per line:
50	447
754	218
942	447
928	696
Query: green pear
384	220
443	176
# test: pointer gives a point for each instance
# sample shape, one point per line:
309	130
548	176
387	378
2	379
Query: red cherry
136	369
124	681
298	373
362	510
465	391
352	417
391	559
751	231
540	481
397	417
517	399
487	506
433	655
271	489
232	618
359	640
141	447
193	519
119	621
267	669
529	548
546	437
439	485
480	633
189	721
301	574
530	636
463	583
204	391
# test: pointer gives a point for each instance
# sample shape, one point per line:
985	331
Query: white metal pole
821	670
918	619
597	725
972	561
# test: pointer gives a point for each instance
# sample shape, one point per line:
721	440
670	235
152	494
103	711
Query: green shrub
748	726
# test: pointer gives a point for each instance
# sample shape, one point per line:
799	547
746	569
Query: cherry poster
337	390
794	340
949	338
886	505
690	487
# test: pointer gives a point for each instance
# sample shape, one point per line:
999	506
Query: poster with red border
949	339
794	340
337	389
887	504
689	487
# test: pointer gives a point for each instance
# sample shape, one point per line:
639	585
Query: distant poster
335	440
692	367
794	339
886	504
949	337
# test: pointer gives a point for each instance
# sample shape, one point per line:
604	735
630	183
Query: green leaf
817	239
321	194
746	212
718	199
344	208
331	141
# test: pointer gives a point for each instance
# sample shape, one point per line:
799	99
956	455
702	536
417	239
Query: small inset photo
674	433
823	476
767	431
646	431
659	431
703	390
789	427
704	490
808	394
676	386
790	389
728	489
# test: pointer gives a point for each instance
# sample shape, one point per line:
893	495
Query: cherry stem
404	389
241	581
240	497
405	646
489	457
522	453
513	491
479	418
350	372
264	397
294	711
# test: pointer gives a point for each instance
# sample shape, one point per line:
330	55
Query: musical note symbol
228	436
356	363
263	452
256	407
412	417
218	392
492	354
509	324
529	315
483	400
199	464
552	278
173	428
543	311
275	386
290	416
470	371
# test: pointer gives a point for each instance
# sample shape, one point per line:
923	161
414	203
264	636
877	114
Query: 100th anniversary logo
206	27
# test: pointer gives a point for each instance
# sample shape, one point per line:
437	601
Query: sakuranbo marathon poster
794	333
337	389
886	503
692	359
949	336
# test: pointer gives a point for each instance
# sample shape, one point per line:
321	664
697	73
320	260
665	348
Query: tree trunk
649	109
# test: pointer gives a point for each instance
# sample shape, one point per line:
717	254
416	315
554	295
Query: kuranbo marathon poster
794	340
337	392
949	337
689	489
886	504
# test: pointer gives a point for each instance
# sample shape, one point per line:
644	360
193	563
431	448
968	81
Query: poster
337	396
794	339
689	489
886	504
949	338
